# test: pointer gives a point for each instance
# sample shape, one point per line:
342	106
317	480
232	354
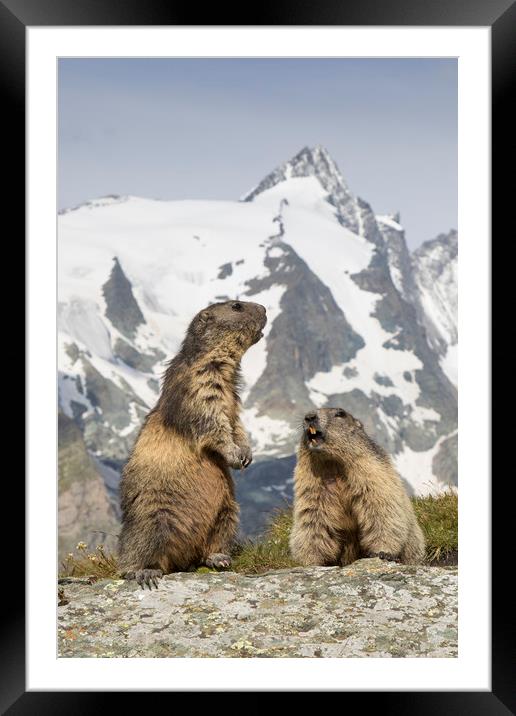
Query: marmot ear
205	316
357	422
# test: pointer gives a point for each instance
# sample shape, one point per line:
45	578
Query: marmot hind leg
221	537
142	556
350	551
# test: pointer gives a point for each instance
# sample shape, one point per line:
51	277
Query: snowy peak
317	163
308	162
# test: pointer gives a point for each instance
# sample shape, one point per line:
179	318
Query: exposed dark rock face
434	266
112	400
310	334
134	358
399	258
111	427
427	279
368	228
121	306
85	512
225	270
73	351
383	380
153	384
398	316
445	461
264	487
110	423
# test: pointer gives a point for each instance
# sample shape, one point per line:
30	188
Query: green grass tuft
271	551
438	517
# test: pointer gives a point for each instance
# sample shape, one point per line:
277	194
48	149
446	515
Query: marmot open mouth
314	437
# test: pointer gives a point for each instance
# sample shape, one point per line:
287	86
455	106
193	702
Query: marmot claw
387	556
239	458
247	457
218	561
148	577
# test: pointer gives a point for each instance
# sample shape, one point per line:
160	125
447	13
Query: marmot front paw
247	455
238	457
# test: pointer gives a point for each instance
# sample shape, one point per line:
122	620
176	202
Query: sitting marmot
349	501
177	493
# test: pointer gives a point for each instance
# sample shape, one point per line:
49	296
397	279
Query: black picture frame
500	16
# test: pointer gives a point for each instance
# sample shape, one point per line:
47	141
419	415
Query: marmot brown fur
177	494
349	501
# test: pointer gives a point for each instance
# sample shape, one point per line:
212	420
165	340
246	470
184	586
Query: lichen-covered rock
371	608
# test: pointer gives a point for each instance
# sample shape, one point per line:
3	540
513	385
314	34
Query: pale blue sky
213	128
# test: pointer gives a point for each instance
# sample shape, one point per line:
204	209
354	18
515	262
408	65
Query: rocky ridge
368	609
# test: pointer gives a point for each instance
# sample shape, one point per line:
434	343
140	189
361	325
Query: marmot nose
310	417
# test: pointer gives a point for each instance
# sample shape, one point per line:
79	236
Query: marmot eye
237	306
340	414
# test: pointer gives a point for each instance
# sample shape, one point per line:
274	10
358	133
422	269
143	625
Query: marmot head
333	432
236	323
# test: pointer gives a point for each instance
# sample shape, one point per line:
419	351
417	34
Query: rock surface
371	608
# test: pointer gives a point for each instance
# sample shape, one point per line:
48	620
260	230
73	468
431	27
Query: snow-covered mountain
428	280
354	319
435	266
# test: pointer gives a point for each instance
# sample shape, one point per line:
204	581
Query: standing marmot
177	495
349	501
